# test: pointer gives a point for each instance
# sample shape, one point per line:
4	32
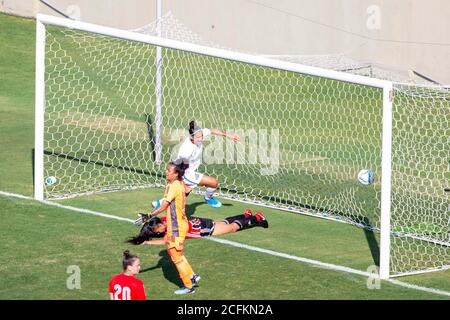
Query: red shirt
125	287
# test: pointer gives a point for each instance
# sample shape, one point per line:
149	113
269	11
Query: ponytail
128	259
180	168
193	128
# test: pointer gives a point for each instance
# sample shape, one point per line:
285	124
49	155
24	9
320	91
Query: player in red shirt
126	286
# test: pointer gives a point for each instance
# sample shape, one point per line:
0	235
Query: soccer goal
111	106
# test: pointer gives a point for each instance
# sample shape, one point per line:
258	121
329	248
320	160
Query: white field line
55	204
244	246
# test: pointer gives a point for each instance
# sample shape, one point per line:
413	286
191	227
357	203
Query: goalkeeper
190	153
154	227
177	225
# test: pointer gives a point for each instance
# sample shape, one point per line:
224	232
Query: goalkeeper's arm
154	242
145	217
161	208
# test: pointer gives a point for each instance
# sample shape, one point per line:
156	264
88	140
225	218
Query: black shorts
204	227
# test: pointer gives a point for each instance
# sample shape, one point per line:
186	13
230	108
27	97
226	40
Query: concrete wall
407	34
114	13
24	8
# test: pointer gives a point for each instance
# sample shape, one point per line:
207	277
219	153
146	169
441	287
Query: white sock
209	192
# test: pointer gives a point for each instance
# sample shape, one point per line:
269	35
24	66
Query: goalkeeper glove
143	218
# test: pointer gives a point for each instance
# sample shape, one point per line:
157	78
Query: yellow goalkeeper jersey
177	222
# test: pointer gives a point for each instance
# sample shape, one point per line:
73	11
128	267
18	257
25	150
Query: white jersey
191	153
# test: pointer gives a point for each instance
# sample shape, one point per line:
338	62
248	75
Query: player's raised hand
235	137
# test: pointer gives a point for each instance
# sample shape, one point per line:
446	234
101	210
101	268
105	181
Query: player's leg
194	179
184	269
211	185
157	203
223	227
247	220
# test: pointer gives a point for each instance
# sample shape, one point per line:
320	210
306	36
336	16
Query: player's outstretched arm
154	242
233	136
144	217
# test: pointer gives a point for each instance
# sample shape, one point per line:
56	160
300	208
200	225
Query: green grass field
41	241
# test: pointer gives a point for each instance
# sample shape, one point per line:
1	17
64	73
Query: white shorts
192	178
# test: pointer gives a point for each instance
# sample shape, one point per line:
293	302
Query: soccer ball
366	176
50	180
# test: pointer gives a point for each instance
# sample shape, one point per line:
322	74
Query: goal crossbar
213	52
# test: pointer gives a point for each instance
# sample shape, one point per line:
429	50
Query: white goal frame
386	86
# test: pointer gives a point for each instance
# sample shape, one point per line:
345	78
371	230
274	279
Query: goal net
420	208
305	135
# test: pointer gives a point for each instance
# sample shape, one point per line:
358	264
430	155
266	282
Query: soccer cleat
260	220
156	204
247	213
195	279
184	290
213	202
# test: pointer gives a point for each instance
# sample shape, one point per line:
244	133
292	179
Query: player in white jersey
190	153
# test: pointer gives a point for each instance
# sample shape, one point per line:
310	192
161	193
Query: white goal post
67	117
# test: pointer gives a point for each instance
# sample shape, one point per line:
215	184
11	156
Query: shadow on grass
372	242
192	208
168	268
